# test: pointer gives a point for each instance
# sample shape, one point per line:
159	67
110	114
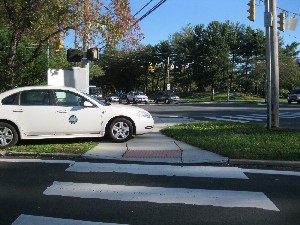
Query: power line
143	8
296	14
151	10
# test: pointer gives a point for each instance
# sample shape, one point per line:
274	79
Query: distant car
165	97
137	97
39	112
95	91
294	96
112	98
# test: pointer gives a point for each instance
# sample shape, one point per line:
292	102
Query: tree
212	64
183	45
38	21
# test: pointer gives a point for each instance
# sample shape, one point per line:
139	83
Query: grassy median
239	141
73	146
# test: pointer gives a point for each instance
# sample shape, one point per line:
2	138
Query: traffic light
251	10
92	54
281	21
74	55
58	44
151	68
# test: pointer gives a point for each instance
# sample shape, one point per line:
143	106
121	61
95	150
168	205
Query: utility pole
272	64
168	75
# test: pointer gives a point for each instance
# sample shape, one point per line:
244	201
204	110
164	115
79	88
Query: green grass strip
239	141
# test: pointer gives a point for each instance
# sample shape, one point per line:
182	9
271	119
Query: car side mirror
87	104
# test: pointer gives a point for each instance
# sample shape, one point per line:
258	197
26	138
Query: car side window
10	100
66	98
35	97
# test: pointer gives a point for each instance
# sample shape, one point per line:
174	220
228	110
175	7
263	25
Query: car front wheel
8	135
120	130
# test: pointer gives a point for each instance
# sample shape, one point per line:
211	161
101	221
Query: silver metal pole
275	68
268	20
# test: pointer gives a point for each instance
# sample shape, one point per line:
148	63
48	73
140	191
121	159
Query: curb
233	162
34	154
293	164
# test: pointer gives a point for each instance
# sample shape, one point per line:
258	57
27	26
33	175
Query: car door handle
18	110
62	111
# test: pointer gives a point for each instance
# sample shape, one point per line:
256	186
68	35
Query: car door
73	118
34	113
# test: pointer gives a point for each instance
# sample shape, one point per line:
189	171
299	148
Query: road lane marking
222	198
224	119
161	170
41	220
241	117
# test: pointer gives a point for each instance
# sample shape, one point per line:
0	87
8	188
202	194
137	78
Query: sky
173	15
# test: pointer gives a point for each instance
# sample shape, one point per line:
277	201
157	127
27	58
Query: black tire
289	102
167	101
155	100
120	130
127	100
8	135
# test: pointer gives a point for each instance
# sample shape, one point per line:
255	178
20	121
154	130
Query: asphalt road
289	114
62	193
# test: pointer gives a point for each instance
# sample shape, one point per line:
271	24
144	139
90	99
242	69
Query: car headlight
144	114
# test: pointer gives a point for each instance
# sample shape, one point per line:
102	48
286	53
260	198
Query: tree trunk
12	52
212	93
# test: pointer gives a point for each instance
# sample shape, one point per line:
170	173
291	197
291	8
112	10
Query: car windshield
296	91
95	99
138	93
172	94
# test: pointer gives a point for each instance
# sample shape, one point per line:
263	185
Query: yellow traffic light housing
151	68
251	10
281	21
58	44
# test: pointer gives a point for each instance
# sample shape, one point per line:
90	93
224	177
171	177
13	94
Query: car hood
127	109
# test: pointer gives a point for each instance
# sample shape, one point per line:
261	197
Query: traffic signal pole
272	64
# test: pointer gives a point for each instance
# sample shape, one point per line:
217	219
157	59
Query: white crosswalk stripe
160	170
153	194
222	198
41	220
253	117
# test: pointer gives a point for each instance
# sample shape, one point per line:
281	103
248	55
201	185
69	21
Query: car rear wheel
120	130
8	135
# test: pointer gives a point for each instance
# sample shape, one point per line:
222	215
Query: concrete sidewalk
155	147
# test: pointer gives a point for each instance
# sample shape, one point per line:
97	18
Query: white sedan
39	112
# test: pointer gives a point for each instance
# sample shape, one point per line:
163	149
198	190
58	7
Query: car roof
39	87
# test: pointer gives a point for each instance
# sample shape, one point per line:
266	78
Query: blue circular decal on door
73	119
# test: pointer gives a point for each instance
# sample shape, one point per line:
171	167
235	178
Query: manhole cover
152	154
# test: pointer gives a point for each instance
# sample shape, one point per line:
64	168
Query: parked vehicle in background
137	97
95	91
165	97
39	112
112	98
294	96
